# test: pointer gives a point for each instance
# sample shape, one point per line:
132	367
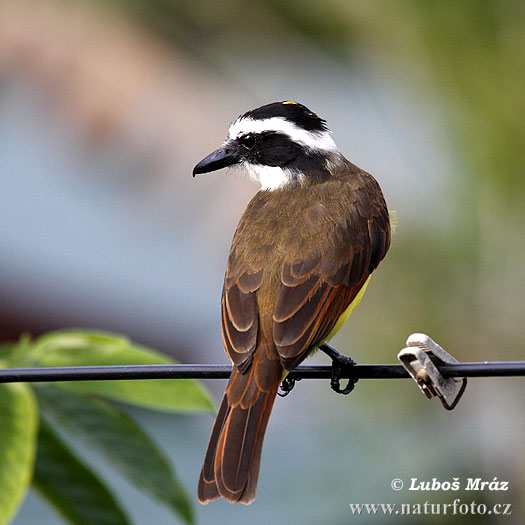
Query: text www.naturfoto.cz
428	508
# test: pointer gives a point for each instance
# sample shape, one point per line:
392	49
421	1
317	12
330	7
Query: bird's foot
287	386
340	363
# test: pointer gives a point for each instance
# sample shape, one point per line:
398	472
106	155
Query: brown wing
317	287
240	317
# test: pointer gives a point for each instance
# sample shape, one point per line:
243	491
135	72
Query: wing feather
241	308
312	297
293	298
238	344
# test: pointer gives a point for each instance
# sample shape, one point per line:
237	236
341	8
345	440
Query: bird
299	263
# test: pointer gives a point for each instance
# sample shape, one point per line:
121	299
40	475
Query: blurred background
105	107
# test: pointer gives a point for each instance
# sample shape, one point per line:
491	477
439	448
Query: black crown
294	112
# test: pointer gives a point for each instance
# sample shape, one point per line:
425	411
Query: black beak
226	155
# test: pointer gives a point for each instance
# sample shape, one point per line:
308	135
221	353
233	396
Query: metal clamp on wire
420	359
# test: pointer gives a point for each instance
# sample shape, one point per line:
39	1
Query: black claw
287	386
340	363
335	381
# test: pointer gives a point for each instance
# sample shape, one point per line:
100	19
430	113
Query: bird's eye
248	141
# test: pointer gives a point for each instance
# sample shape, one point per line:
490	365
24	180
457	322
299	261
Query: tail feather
231	465
207	489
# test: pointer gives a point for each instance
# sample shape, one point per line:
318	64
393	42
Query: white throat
269	177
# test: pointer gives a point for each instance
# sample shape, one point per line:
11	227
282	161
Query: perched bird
300	261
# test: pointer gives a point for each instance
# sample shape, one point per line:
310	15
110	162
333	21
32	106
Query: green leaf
122	441
15	353
70	486
18	430
6	349
85	348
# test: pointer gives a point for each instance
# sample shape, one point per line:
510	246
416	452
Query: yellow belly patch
340	322
346	314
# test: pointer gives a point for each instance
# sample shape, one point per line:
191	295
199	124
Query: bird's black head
293	112
280	143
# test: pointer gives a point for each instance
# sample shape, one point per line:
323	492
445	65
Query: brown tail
231	465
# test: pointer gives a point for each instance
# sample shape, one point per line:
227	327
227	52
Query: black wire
106	373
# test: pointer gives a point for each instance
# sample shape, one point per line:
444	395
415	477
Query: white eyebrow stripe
320	140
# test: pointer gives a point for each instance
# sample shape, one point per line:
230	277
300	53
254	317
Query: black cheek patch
312	164
276	150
